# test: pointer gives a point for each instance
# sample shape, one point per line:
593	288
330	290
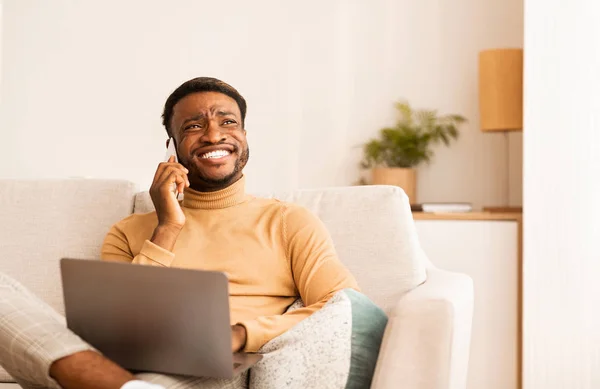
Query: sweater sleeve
116	248
317	272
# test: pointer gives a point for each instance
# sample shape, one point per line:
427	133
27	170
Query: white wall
83	84
561	195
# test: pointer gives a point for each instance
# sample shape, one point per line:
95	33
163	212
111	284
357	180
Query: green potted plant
394	155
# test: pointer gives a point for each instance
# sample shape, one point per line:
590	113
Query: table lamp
501	98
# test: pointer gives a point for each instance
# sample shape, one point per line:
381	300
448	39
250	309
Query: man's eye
229	121
193	126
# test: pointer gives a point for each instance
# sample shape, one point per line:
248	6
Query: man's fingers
180	181
163	170
173	165
172	158
167	169
178	178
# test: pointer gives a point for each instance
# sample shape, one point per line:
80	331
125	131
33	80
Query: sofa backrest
45	220
373	231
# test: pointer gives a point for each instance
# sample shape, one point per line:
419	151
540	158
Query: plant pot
405	178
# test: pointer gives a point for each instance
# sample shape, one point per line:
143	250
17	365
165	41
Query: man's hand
170	216
238	337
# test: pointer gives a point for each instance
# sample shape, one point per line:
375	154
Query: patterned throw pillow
336	347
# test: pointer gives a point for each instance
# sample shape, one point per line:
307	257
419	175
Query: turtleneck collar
232	195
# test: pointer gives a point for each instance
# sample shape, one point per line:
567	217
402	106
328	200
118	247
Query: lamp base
506	209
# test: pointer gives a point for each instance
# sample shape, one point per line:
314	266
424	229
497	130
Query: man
273	252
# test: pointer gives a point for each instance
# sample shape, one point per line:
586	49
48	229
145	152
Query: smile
215	154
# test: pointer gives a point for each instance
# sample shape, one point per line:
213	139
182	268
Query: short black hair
201	84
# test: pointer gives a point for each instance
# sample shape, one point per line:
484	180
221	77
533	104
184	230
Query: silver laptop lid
148	318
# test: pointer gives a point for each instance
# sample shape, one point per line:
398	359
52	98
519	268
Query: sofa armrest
426	342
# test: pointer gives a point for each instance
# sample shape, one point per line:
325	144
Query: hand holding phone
170	179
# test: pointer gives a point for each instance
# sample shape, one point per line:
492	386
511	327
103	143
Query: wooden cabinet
487	248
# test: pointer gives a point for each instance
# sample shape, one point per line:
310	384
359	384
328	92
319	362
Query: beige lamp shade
501	90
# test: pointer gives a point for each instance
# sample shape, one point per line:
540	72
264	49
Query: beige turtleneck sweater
273	252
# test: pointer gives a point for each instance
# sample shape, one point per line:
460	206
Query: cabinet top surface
468	216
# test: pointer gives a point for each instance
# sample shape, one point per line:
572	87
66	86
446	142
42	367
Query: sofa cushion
373	231
43	221
337	345
368	326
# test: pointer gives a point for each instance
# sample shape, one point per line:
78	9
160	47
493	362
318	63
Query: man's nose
213	134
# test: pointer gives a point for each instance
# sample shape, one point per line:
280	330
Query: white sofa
427	338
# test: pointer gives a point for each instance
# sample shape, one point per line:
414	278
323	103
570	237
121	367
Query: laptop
153	319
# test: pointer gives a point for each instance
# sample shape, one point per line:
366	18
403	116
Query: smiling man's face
211	140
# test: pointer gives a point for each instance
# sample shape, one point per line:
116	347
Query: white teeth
215	154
